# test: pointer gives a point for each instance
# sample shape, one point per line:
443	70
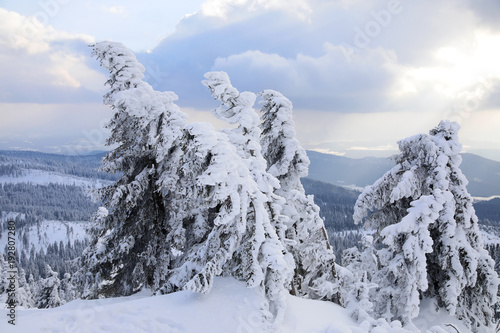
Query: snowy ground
230	307
45	233
41	177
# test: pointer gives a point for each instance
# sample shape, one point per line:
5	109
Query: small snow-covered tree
3	279
306	238
426	225
24	295
362	266
49	293
68	290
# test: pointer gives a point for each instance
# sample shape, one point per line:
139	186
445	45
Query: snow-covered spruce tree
49	294
267	234
3	279
315	275
67	292
128	251
426	225
24	296
362	266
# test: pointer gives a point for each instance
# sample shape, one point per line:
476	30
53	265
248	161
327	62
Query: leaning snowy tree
267	238
306	238
428	230
128	249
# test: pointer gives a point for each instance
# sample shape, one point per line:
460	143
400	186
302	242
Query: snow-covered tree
306	238
3	279
424	219
49	293
362	266
24	295
67	290
265	244
145	127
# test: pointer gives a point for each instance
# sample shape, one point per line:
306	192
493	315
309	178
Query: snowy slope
42	177
230	307
47	232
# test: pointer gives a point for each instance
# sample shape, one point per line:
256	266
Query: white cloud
326	82
231	9
43	63
27	34
115	10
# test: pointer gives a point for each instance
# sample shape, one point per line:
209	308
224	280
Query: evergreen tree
362	266
3	279
67	292
306	238
145	127
426	224
265	244
49	290
24	295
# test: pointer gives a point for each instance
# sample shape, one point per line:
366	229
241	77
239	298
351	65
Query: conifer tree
267	223
49	290
3	279
67	292
315	274
24	295
362	266
427	226
145	127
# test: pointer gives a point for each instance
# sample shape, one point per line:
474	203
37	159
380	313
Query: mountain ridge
483	174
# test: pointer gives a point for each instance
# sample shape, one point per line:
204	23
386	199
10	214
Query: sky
361	74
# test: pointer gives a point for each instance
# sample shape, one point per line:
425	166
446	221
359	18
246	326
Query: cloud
326	83
487	11
404	66
43	64
226	9
39	126
115	10
359	73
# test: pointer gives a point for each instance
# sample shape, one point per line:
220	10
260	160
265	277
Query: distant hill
483	174
488	210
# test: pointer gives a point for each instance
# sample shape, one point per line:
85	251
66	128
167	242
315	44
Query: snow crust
229	307
41	177
46	233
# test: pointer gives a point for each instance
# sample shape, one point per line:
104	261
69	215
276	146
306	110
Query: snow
489	238
229	307
46	233
41	177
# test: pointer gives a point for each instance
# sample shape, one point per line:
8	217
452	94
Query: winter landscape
196	219
265	166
